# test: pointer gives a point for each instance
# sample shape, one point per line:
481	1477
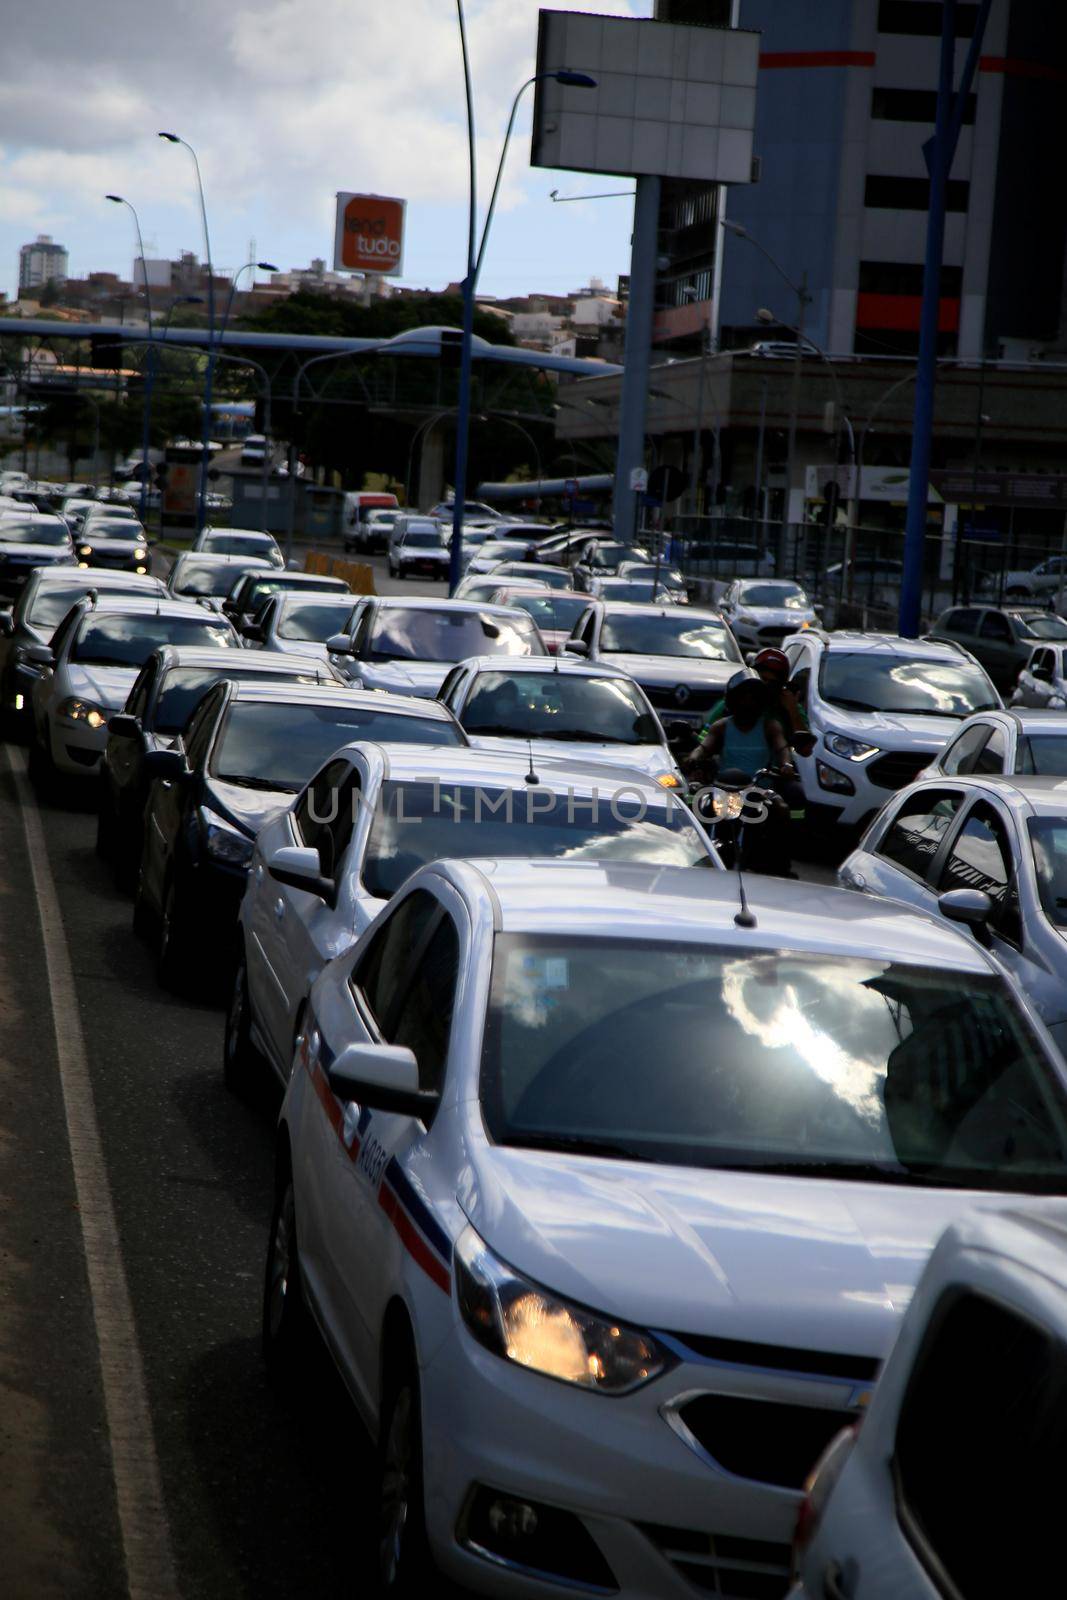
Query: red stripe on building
903	312
412	1240
1016	67
817	58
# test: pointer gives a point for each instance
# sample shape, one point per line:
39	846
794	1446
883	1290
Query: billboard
369	235
673	100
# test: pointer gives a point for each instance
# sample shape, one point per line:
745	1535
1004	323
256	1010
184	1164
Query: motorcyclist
749	739
773	668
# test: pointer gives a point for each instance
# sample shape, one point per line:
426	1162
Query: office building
41	262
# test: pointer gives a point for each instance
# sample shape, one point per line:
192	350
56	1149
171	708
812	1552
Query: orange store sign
369	236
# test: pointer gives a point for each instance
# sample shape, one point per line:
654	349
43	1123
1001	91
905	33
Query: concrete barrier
358	576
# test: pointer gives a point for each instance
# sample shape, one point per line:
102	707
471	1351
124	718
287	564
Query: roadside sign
570	488
369	234
638	480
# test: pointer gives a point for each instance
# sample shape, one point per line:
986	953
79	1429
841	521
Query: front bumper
668	1522
425	569
77	749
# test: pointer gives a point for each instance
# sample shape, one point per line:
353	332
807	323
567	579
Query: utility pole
633	405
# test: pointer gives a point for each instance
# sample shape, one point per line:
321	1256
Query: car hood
105	686
811	1263
403	677
247	809
650	759
904	732
675	669
776	616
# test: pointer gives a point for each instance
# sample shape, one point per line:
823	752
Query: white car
90	666
415	546
993	742
608	1207
484	585
1043	680
492	552
300	622
762	611
408	646
971	1398
27	542
206	575
375	812
239	542
557	709
1047	581
881	707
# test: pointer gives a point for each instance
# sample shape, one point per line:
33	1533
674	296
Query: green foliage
326	314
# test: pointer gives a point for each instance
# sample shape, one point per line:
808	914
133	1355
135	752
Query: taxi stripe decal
418	1230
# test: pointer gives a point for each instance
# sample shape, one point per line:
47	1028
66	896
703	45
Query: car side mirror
577	647
339	644
972	907
124	726
293	565
169	766
7	623
299	867
40	655
750	657
384	1077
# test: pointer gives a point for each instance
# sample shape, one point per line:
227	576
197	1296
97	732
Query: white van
357	531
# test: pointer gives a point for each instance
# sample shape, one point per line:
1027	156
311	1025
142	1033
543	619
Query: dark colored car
164	696
245	601
1000	637
44	601
27	543
116	542
245	751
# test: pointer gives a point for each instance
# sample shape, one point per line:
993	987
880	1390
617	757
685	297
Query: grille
894	770
719	1564
773	635
779	1357
763	1439
665	696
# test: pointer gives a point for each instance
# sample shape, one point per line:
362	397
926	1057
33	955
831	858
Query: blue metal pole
633	404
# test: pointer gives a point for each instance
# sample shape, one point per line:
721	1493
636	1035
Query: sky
286	102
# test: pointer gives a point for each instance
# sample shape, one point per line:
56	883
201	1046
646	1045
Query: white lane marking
150	1573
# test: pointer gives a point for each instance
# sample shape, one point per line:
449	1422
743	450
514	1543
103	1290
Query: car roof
368	699
1032	721
242	533
617	900
297	580
301	596
425	602
688	614
214	559
1041	792
101	578
462	765
544	664
267	662
152	605
888	644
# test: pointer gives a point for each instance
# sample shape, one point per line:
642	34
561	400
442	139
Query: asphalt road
263	1493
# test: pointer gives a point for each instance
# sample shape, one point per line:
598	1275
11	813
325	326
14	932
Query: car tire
285	1318
240	1058
404	1566
175	941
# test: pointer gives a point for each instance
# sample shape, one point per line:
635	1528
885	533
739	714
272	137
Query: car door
400	990
125	755
1035	682
905	847
43	687
450	693
169	799
983	853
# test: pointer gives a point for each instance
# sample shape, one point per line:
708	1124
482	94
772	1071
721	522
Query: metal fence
866	592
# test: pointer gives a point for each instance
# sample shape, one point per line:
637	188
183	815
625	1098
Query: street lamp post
576	80
146	401
209	376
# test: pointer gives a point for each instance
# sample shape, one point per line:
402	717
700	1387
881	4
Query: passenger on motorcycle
748	740
783	705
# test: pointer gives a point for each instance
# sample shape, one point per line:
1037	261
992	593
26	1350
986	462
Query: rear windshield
129	641
1045	753
557	612
52	601
282	746
429	635
551	577
555	705
234	544
33	532
184	688
424	820
315	619
423	539
205	578
671	635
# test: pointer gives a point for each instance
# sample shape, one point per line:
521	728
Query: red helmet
775	661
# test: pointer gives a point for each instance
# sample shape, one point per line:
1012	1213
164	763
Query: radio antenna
744	918
531	776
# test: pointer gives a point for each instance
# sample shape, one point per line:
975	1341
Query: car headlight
224	842
727	804
83	711
852	749
139	554
522	1322
85	549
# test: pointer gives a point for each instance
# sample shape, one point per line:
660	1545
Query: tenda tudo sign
370	234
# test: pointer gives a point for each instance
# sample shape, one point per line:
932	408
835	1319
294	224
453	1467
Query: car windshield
556	705
315	619
557	612
184	687
1045	753
669	577
401	634
210	578
1044	627
862	682
129	641
33	532
423	539
1048	841
551	577
425	820
769	1061
280	746
668	635
782	596
114	528
638	591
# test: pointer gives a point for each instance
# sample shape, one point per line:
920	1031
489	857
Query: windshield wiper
588	736
859	1171
497	729
850	705
573	1144
245	782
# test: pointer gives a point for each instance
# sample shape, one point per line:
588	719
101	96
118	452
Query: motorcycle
748	819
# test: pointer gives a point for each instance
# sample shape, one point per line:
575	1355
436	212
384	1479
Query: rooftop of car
240	533
631	608
459	765
196	655
323	581
373	699
100	578
1034	721
1041	792
677	903
212	558
886	644
152	605
425	602
565	667
290	599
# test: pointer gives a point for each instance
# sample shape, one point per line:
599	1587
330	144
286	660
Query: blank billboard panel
671	100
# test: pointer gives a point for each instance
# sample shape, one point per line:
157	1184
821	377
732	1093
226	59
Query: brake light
818	1487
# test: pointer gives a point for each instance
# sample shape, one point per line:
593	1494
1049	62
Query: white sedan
559	709
373	814
764	611
608	1207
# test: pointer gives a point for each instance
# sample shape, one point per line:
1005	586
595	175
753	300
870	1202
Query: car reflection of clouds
925	675
855	1080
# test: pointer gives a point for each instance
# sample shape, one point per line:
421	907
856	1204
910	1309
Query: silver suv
881	707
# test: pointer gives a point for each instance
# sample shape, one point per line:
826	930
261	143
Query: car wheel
240	1058
404	1565
175	943
284	1312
